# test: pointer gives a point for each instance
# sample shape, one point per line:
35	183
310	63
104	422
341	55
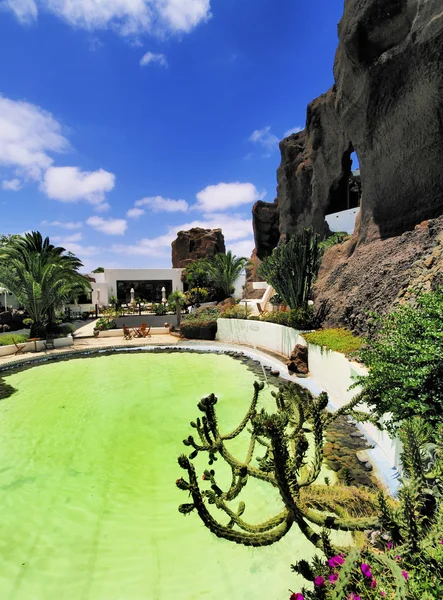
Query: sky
125	121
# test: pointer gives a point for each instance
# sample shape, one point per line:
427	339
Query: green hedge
6	340
340	340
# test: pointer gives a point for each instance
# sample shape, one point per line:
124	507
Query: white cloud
68	239
25	10
13	185
135	213
224	196
160	204
64	224
27	135
70	184
127	17
235	228
108	226
265	138
151	57
242	248
293	130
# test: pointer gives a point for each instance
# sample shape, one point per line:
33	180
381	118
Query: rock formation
265	222
196	243
387	105
389	80
379	274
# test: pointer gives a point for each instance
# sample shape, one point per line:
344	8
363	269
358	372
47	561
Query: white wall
343	220
241	281
30	346
111	276
258	333
335	373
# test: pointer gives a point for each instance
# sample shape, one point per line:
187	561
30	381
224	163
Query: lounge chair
49	344
20	349
145	331
127	333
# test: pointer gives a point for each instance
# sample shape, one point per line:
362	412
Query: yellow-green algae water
88	502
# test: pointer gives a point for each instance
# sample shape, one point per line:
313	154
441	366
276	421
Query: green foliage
103	324
336	238
197	295
276	299
298	318
224	270
340	340
113	300
99	270
405	361
292	268
203	315
201	324
196	275
8	339
177	297
237	312
41	276
66	329
27	323
159	309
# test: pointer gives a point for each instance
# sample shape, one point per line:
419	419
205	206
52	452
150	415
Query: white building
146	283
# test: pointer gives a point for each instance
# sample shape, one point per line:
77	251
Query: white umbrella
132	296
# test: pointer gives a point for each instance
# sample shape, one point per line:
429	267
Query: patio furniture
20	349
145	331
127	333
35	340
49	344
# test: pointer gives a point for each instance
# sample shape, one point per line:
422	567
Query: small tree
291	269
178	299
224	270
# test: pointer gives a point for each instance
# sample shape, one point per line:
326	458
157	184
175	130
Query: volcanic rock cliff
196	243
387	105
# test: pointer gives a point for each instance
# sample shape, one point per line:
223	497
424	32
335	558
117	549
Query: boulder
298	361
194	244
226	304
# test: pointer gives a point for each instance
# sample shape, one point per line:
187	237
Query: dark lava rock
265	222
298	361
196	243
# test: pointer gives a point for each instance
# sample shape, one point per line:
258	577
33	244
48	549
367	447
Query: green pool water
88	502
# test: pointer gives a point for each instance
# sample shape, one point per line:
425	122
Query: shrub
201	324
336	238
27	323
66	328
340	340
8	340
103	324
298	318
405	361
197	295
276	299
237	312
159	309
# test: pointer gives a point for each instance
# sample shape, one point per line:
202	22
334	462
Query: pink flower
398	557
353	596
333	578
366	570
297	596
405	575
319	581
335	561
390	545
383	594
373	582
441	542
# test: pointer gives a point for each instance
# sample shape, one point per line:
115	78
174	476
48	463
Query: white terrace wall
259	334
30	346
335	373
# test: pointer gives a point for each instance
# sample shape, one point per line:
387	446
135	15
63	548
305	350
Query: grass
6	340
340	340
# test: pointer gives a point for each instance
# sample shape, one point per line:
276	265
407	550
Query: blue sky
123	121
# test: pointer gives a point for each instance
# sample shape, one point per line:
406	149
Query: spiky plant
283	438
291	269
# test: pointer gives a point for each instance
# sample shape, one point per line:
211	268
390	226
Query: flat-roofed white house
149	285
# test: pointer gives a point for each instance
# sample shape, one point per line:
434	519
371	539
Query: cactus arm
260	528
340	523
250	413
314	472
251	449
265	538
252	471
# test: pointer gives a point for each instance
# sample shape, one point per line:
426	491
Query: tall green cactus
291	269
284	465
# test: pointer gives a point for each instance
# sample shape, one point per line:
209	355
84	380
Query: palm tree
225	270
41	276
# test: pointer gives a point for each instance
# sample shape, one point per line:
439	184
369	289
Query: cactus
291	269
284	466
